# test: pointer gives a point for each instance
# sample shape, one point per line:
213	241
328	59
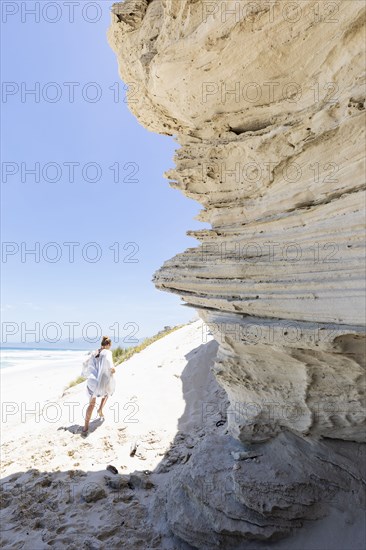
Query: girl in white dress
99	369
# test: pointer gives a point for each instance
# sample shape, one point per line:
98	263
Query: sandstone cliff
267	102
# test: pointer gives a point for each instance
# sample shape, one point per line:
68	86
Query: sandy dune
50	473
56	489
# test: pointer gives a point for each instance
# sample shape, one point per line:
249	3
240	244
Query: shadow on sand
77	509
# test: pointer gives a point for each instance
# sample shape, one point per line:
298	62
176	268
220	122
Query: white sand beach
44	451
56	489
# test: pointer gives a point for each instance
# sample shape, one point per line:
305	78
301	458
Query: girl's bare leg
89	412
102	403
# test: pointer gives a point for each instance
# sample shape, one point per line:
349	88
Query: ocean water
24	358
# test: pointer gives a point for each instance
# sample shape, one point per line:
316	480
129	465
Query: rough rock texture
267	101
223	502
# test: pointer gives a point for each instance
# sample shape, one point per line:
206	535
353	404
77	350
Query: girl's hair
105	342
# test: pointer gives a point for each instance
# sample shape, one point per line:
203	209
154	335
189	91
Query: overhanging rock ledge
268	106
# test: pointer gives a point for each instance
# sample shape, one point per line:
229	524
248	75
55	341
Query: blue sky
146	212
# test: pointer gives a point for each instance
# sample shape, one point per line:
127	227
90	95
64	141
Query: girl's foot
84	433
100	413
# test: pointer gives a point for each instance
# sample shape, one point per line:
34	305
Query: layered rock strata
267	102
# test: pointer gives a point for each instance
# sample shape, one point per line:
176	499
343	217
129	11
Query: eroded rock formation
267	102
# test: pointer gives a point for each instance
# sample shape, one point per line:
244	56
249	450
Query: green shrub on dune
122	354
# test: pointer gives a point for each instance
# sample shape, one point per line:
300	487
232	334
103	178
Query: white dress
101	381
